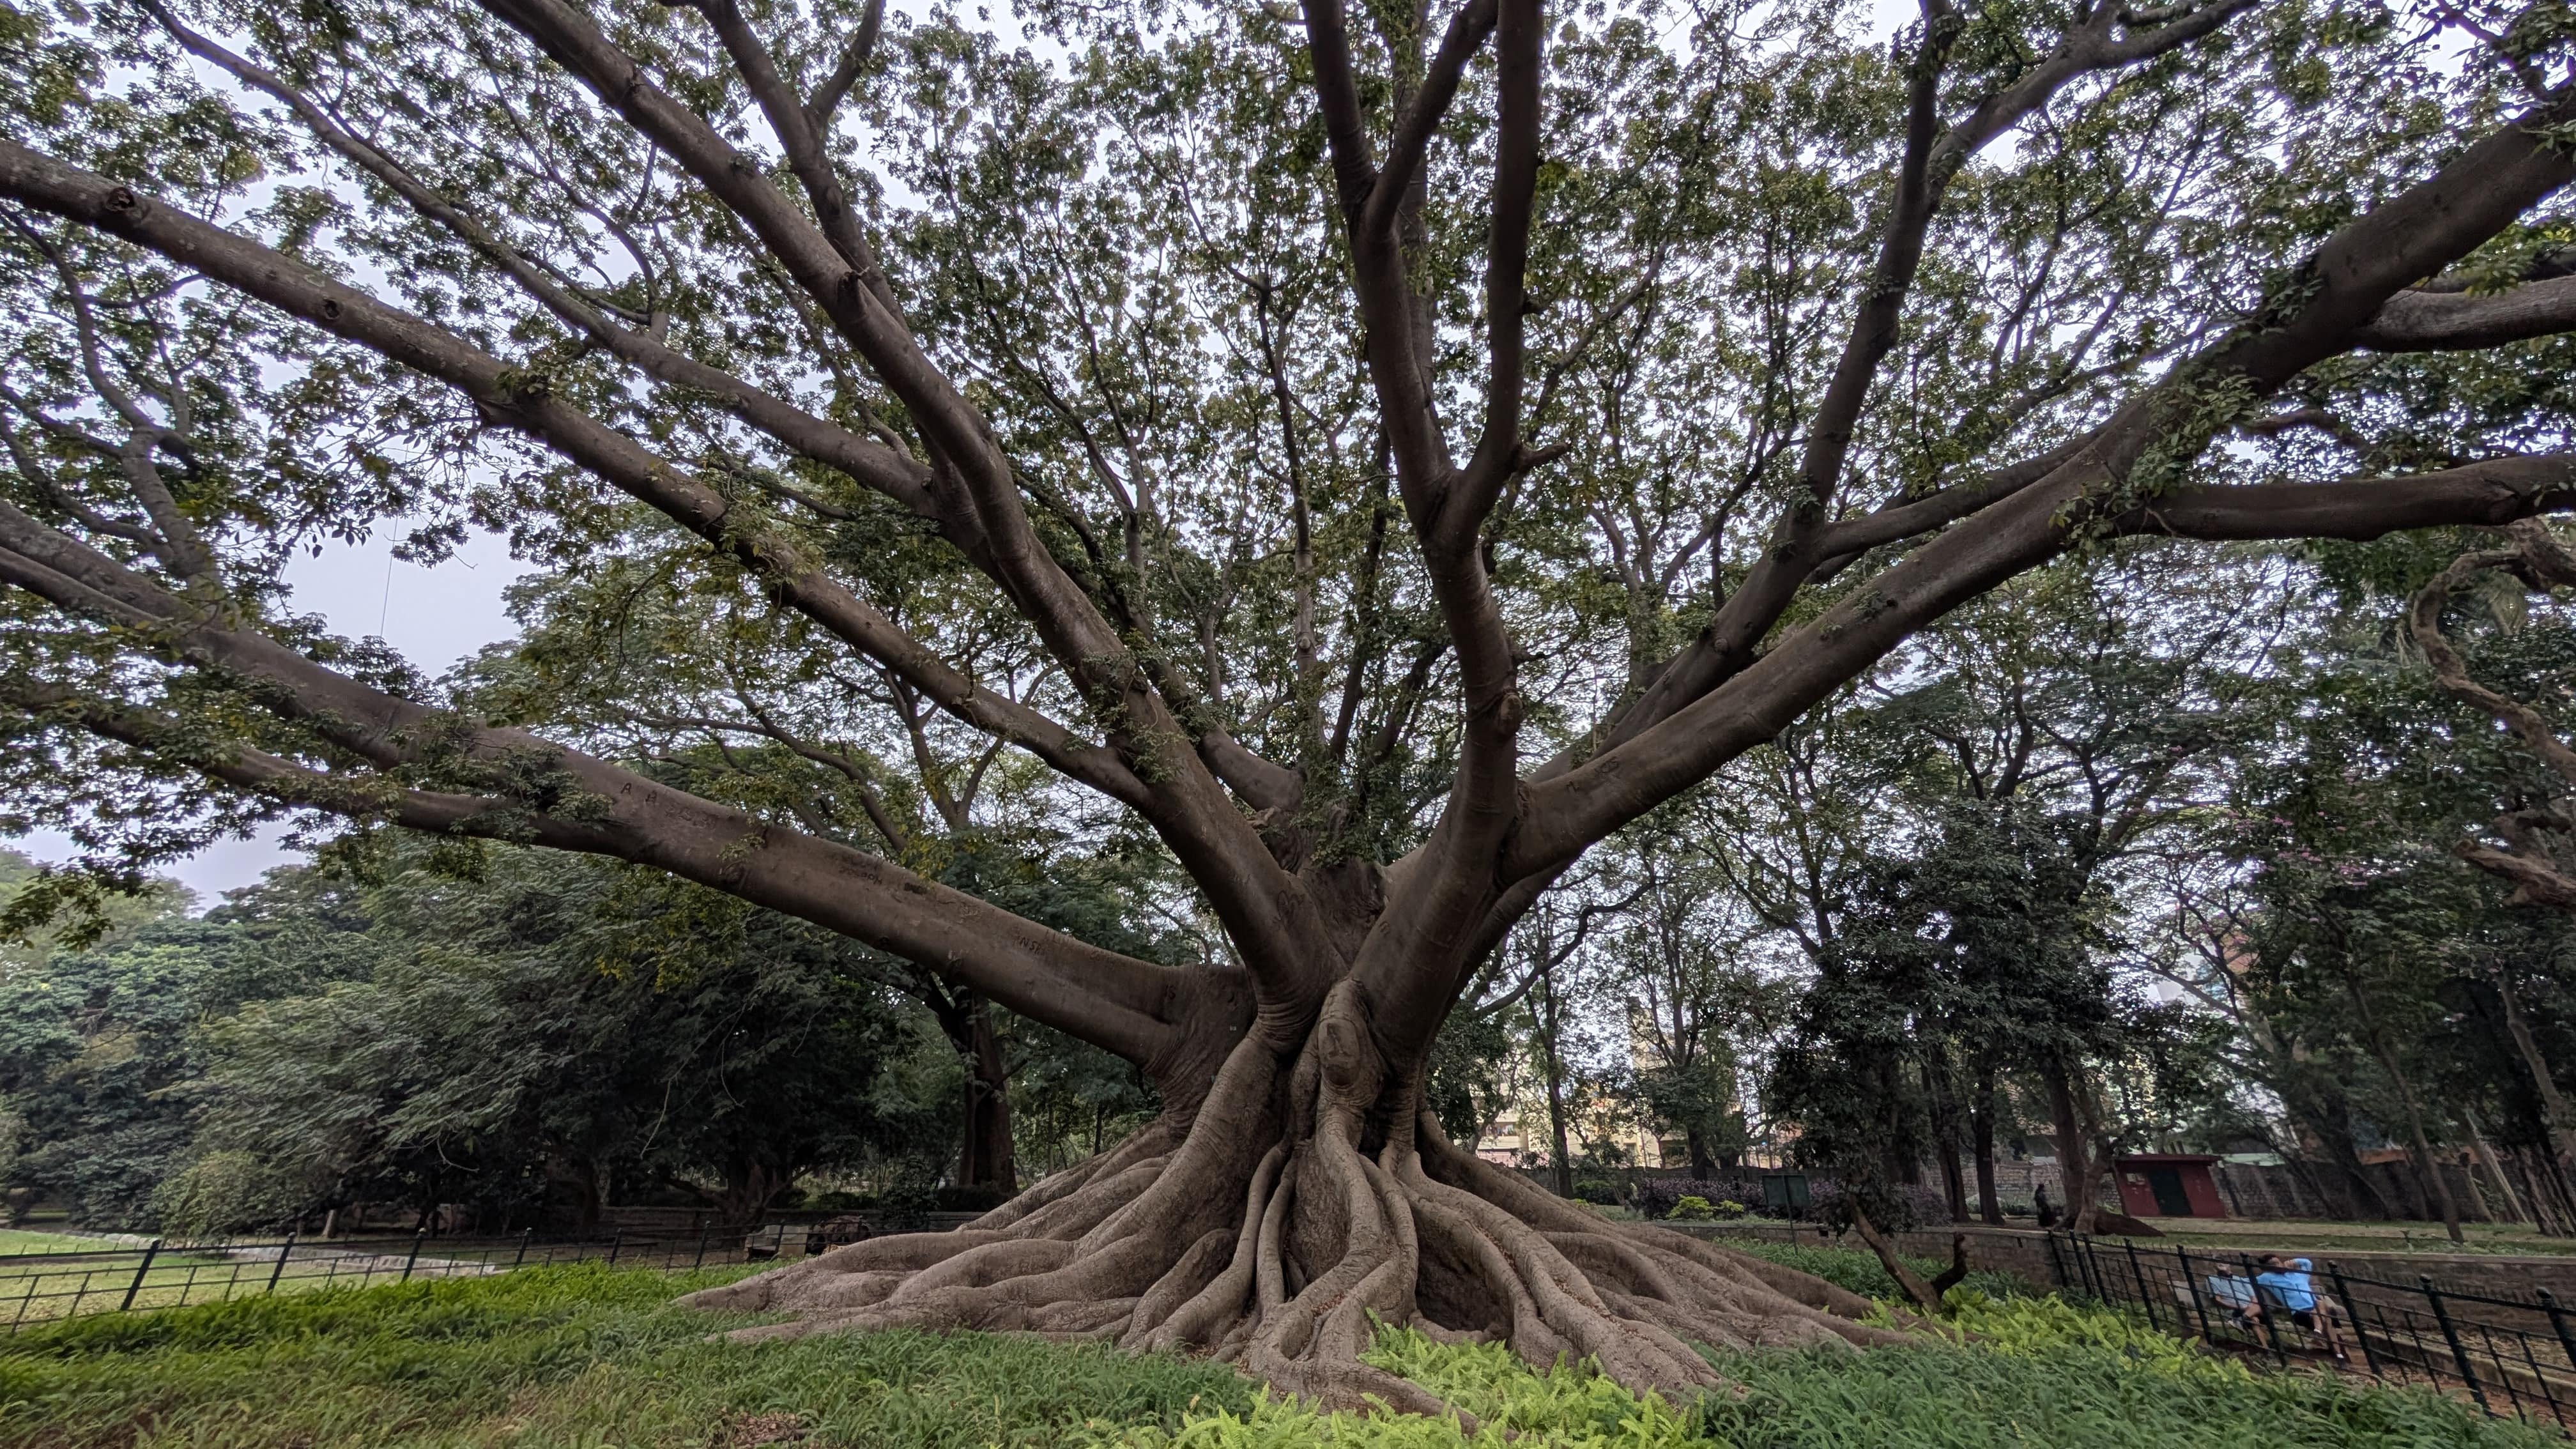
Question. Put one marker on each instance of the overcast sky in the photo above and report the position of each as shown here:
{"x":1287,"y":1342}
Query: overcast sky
{"x":435,"y":616}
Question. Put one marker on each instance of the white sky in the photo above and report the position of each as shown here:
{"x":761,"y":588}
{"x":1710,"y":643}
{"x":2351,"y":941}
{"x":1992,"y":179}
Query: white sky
{"x":434,"y":616}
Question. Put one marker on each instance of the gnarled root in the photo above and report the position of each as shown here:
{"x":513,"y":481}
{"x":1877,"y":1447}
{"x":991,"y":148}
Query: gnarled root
{"x":1280,"y":1229}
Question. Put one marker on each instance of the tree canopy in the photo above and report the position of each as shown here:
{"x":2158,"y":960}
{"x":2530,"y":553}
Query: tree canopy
{"x":1359,"y":460}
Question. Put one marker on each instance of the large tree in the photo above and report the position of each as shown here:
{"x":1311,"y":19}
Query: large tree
{"x":1404,"y":448}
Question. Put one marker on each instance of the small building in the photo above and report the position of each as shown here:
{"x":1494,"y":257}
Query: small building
{"x":2168,"y":1185}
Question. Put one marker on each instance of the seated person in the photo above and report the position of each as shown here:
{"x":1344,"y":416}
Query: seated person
{"x":2286,"y":1282}
{"x":2236,"y":1295}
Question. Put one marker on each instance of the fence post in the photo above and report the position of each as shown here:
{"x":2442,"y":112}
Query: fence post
{"x":151,"y":1251}
{"x":614,"y":1244}
{"x":2140,"y":1274}
{"x":2558,"y":1321}
{"x":2271,"y":1329}
{"x":417,"y":1235}
{"x":2191,"y":1281}
{"x":282,"y":1253}
{"x":524,"y":1235}
{"x":2352,"y":1316}
{"x":2451,"y":1336}
{"x":2056,"y":1265}
{"x":702,"y":1250}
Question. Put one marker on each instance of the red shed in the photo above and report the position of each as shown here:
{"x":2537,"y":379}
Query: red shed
{"x":2168,"y":1185}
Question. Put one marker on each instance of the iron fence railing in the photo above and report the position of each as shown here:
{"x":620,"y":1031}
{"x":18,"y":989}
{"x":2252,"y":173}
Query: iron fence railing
{"x":2513,"y":1357}
{"x":40,"y":1285}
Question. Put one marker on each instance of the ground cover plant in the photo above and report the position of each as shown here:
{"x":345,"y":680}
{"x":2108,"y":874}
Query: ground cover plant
{"x":569,"y":1355}
{"x":584,"y":1355}
{"x":1355,"y":460}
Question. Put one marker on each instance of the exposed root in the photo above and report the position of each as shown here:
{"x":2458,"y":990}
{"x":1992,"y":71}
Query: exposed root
{"x":1264,"y":1235}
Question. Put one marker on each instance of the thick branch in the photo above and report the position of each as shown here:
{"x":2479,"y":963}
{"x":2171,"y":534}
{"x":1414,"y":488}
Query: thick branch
{"x":854,"y":59}
{"x":1412,"y":139}
{"x":2535,"y":881}
{"x":1468,"y":498}
{"x":1114,"y":1001}
{"x":1386,"y":301}
{"x":1264,"y":906}
{"x":2425,"y":321}
{"x":2542,"y":563}
{"x":1931,"y":158}
{"x":2492,"y":493}
{"x":1904,"y":520}
{"x":1900,"y":252}
{"x":867,"y":461}
{"x":2351,"y":276}
{"x":855,"y":297}
{"x":526,"y":402}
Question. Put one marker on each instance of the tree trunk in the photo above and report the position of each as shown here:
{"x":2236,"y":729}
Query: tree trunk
{"x":1309,"y":1198}
{"x":987,"y":1161}
{"x":580,"y":1176}
{"x":2542,"y":1187}
{"x":1981,"y":1129}
{"x":1560,"y":1159}
{"x":2074,"y":1163}
{"x":1945,"y":1136}
{"x":2495,"y":1169}
{"x":2323,"y":1109}
{"x":984,"y":1156}
{"x":750,"y":1186}
{"x":2553,"y":1103}
{"x":2426,"y":1166}
{"x":1702,"y":1166}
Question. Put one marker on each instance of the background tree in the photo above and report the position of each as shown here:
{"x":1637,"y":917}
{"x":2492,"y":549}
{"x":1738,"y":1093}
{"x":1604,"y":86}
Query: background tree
{"x":89,"y":1039}
{"x":1697,"y":1000}
{"x":520,"y":1032}
{"x":1291,"y":386}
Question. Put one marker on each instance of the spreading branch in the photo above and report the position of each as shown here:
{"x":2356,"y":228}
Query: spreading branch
{"x":2533,"y":854}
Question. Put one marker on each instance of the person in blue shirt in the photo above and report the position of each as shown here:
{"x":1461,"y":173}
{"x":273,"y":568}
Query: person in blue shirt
{"x":2286,"y":1285}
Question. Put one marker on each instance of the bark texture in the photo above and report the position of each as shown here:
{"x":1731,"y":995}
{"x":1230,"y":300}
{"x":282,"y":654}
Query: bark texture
{"x":1298,"y":1192}
{"x":1310,"y":1199}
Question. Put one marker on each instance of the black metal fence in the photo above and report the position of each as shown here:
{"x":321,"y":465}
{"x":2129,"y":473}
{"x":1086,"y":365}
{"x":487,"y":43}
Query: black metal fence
{"x":2513,"y":1357}
{"x":38,"y":1286}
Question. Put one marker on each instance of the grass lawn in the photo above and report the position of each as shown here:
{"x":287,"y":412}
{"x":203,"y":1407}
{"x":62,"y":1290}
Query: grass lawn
{"x":34,"y":1292}
{"x":19,"y":1240}
{"x":587,"y":1356}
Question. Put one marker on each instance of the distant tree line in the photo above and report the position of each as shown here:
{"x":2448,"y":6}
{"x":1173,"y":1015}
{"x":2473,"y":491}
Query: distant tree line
{"x":524,"y":1037}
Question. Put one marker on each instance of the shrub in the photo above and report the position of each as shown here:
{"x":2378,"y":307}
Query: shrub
{"x":1692,"y":1209}
{"x":1655,"y":1197}
{"x":1730,"y":1210}
{"x":1597,"y":1190}
{"x":228,"y":1192}
{"x":1860,"y":1271}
